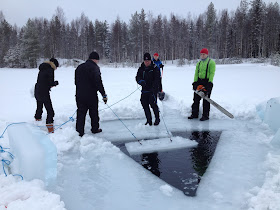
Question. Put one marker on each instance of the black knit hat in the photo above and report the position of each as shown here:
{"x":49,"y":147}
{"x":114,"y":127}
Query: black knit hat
{"x":55,"y":62}
{"x":94,"y":55}
{"x":147,"y":56}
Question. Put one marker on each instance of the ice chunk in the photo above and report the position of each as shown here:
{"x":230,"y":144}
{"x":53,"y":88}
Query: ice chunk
{"x":272,"y":114}
{"x":35,"y":154}
{"x":276,"y":139}
{"x":163,"y":144}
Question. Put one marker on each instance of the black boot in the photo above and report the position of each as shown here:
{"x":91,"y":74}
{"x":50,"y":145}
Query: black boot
{"x":148,"y":122}
{"x":192,"y":117}
{"x":204,"y":118}
{"x":96,"y":131}
{"x":157,"y":121}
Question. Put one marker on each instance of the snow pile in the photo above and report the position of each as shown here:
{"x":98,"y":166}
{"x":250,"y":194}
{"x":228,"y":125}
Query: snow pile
{"x":268,"y":195}
{"x":21,"y":195}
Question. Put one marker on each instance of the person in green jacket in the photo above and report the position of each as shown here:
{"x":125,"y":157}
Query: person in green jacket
{"x":203,"y":80}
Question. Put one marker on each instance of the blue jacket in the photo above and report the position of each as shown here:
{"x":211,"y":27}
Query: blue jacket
{"x":158,"y":63}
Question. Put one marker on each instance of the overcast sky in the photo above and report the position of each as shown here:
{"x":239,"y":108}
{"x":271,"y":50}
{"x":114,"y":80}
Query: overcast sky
{"x":18,"y":11}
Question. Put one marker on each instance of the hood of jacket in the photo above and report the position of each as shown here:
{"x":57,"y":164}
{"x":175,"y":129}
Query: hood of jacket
{"x":46,"y":65}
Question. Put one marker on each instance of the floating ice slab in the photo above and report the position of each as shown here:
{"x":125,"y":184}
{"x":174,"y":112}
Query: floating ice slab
{"x":272,"y":114}
{"x":156,"y":145}
{"x":35,"y":154}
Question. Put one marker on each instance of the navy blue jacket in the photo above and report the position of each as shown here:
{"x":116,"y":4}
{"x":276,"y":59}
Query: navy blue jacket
{"x":88,"y":81}
{"x":151,"y":76}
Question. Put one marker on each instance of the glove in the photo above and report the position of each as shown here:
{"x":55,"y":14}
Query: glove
{"x":56,"y":83}
{"x":142,"y":83}
{"x":209,"y":85}
{"x":194,"y":84}
{"x":208,"y":88}
{"x":161,"y":66}
{"x":105,"y":98}
{"x":161,"y":95}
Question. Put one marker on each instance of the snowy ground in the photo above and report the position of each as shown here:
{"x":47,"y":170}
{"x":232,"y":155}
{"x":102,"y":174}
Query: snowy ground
{"x":94,"y":174}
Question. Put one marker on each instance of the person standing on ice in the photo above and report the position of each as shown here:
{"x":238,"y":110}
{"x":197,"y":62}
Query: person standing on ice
{"x":148,"y":76}
{"x":45,"y":82}
{"x":88,"y":81}
{"x":159,"y":64}
{"x":203,"y":80}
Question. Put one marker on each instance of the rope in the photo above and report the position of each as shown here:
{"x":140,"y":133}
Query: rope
{"x":123,"y":124}
{"x":168,"y":133}
{"x":165,"y":125}
{"x":121,"y":99}
{"x":10,"y":125}
{"x":7,"y":162}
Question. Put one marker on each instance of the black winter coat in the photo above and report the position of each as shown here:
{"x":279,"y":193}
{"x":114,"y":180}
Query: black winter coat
{"x":151,"y":76}
{"x":45,"y":80}
{"x":88,"y":81}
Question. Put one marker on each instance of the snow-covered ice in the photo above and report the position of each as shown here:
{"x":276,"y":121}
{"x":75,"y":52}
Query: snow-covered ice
{"x":94,"y":174}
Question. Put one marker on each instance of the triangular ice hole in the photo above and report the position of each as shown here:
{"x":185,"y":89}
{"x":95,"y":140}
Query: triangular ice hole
{"x":181,"y":168}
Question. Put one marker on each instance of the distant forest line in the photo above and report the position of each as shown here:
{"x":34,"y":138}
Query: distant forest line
{"x":251,"y":31}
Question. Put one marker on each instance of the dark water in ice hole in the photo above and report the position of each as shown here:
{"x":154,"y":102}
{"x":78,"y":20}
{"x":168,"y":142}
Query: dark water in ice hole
{"x":181,"y":168}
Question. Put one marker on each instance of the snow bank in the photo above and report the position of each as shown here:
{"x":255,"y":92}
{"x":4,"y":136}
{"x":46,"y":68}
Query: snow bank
{"x":21,"y":195}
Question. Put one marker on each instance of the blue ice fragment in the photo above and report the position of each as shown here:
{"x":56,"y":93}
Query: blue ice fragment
{"x":272,"y":114}
{"x":35,"y":154}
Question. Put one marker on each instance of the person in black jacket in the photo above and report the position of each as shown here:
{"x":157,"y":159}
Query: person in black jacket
{"x":88,"y":81}
{"x":148,"y":76}
{"x":45,"y":82}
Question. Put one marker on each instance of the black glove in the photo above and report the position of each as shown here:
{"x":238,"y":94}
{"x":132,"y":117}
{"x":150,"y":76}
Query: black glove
{"x":161,"y":66}
{"x":208,"y":88}
{"x":142,"y":82}
{"x":56,"y":83}
{"x":194,"y":84}
{"x":209,"y":85}
{"x":161,"y":95}
{"x":105,"y":98}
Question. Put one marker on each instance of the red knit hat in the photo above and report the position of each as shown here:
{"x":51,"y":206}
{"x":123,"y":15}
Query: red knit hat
{"x":204,"y":50}
{"x":156,"y":54}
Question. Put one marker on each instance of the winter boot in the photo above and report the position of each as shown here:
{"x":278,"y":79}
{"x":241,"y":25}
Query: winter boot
{"x":204,"y":118}
{"x":50,"y":128}
{"x":99,"y":130}
{"x":157,"y":121}
{"x":38,"y":119}
{"x":192,"y":117}
{"x":149,"y":122}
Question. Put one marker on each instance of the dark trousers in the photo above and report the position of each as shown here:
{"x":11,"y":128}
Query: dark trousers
{"x":195,"y":105}
{"x":147,"y":100}
{"x":83,"y":106}
{"x":44,"y":101}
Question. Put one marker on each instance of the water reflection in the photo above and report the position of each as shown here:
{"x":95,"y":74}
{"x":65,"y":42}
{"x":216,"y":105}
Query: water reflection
{"x":151,"y":162}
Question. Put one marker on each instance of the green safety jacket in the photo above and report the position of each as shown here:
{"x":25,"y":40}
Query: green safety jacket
{"x":200,"y":71}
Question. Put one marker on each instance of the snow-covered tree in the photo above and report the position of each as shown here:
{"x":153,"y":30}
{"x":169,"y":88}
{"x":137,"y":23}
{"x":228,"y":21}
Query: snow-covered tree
{"x":30,"y":44}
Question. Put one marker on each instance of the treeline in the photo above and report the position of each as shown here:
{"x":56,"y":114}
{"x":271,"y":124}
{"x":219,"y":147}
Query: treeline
{"x":252,"y":30}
